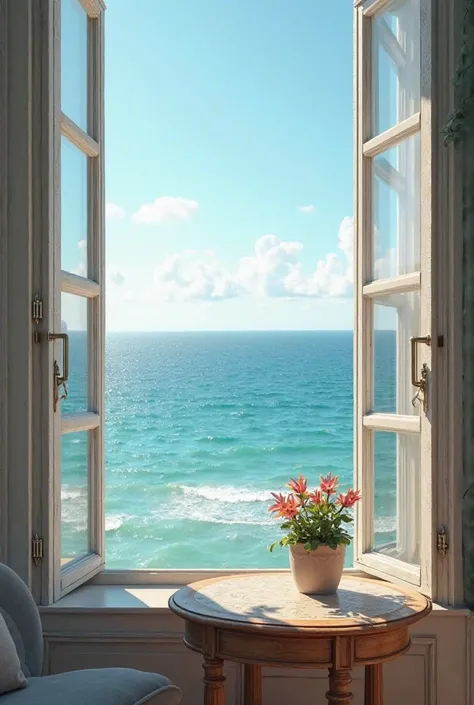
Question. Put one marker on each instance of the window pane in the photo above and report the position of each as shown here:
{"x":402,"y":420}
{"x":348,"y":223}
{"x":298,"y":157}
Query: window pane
{"x":74,"y":62}
{"x":74,"y":496}
{"x":396,"y":320}
{"x":73,"y":209}
{"x":397,"y":495}
{"x":396,"y":57}
{"x":74,"y":323}
{"x":396,"y":210}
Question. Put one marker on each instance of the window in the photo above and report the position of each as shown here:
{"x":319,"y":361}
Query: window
{"x":393,"y":295}
{"x":399,"y":432}
{"x":75,"y":359}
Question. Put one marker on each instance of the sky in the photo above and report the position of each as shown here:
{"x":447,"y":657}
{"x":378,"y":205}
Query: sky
{"x":229,"y":165}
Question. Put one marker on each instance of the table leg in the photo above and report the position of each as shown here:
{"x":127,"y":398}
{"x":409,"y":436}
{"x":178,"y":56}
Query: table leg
{"x":339,"y":683}
{"x":214,"y":691}
{"x":374,"y":685}
{"x":252,"y":684}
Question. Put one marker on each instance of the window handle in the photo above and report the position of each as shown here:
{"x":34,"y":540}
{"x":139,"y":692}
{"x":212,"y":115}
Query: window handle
{"x":420,"y":383}
{"x":58,"y":379}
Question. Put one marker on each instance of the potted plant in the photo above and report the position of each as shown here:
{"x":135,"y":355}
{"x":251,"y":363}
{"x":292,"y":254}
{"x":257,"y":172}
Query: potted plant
{"x":316,"y":524}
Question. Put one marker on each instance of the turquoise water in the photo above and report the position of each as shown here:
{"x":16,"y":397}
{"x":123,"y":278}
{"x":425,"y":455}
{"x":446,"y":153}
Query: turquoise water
{"x":201,"y":427}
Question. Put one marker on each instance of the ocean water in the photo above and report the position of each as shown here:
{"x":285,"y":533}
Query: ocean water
{"x":201,"y":427}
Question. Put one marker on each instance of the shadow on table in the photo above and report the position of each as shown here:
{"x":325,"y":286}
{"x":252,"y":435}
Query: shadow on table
{"x":361,"y":607}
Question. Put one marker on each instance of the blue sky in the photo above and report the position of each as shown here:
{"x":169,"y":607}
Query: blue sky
{"x":229,"y":164}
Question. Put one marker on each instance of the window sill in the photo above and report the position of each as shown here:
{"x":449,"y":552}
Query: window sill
{"x":114,"y":599}
{"x":133,"y":599}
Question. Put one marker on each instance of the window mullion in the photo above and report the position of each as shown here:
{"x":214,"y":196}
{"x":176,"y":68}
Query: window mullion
{"x":363,"y":446}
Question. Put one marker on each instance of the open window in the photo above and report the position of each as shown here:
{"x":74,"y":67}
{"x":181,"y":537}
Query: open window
{"x":73,"y":359}
{"x":393,"y":291}
{"x":396,"y":366}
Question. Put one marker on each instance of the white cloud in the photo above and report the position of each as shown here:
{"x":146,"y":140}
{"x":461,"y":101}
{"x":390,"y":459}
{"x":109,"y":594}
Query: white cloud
{"x":266,"y":271}
{"x":193,"y":276}
{"x":307,"y":209}
{"x":113,"y":212}
{"x":82,"y":244}
{"x":80,"y":270}
{"x":274,"y":270}
{"x":114,"y":276}
{"x":166,"y":209}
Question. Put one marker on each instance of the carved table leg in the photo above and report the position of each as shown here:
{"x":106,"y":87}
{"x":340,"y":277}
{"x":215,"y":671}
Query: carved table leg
{"x":252,"y":684}
{"x":374,"y":685}
{"x":339,"y":683}
{"x":214,"y":692}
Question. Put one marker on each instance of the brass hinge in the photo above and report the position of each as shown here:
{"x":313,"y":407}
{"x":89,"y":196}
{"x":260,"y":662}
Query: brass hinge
{"x":37,"y":549}
{"x":442,"y":542}
{"x":36,"y":315}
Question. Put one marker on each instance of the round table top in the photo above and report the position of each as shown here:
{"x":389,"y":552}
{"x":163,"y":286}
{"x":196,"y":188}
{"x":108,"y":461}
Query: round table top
{"x":271,"y":601}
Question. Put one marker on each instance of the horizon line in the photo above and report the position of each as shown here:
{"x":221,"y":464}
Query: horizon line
{"x":241,"y":330}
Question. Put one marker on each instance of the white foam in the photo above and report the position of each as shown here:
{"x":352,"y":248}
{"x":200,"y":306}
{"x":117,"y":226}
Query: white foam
{"x":113,"y":522}
{"x":69,"y":494}
{"x":232,"y":495}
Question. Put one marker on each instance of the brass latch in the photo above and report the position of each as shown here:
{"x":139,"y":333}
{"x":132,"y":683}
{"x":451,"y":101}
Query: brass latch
{"x":442,"y":542}
{"x":36,"y":315}
{"x":421,"y":383}
{"x":59,"y":380}
{"x":37,"y":549}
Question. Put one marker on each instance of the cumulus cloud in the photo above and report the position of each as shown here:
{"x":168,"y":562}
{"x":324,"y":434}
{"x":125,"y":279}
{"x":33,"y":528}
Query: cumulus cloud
{"x":193,"y":276}
{"x":114,"y":212}
{"x":307,"y":209}
{"x":273,"y":270}
{"x":166,"y":209}
{"x":82,"y":244}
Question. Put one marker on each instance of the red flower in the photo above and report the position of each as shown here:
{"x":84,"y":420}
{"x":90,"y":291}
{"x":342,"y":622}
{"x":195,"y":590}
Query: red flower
{"x":280,"y":501}
{"x":286,"y":507}
{"x":329,"y":484}
{"x":298,"y":486}
{"x":291,"y":508}
{"x":349,"y":499}
{"x":316,"y":497}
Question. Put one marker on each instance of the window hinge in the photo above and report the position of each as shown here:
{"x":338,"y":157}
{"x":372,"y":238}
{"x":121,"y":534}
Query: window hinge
{"x":37,"y":549}
{"x":36,"y":315}
{"x":442,"y":542}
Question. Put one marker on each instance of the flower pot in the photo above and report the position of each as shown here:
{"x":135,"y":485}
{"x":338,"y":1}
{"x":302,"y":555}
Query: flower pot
{"x":317,"y":572}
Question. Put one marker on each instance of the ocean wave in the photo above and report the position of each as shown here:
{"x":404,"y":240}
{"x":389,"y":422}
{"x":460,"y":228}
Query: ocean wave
{"x":231,"y":495}
{"x":113,"y":522}
{"x":70,"y":494}
{"x":385,"y":525}
{"x":217,"y":439}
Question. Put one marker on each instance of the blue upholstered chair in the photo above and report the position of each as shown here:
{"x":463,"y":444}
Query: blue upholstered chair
{"x":105,"y":686}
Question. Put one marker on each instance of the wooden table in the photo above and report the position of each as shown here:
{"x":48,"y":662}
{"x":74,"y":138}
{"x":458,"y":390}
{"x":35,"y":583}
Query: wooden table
{"x":261,"y":620}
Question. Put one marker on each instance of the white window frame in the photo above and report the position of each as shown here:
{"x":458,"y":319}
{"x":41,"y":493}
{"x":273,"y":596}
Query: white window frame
{"x":440,"y":301}
{"x":58,"y":580}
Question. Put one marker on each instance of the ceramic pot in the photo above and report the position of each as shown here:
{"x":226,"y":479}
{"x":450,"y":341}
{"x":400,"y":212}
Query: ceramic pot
{"x":317,"y":572}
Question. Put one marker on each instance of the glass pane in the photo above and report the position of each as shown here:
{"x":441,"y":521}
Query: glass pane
{"x":74,"y":496}
{"x":396,"y":210}
{"x":74,"y":323}
{"x":396,"y":320}
{"x":396,"y":61}
{"x":74,"y":62}
{"x":73,"y":209}
{"x":397,"y":495}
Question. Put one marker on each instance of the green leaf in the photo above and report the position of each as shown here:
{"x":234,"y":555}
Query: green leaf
{"x":346,"y":518}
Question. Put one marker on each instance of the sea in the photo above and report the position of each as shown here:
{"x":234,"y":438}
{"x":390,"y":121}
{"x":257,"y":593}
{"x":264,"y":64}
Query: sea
{"x":201,"y":427}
